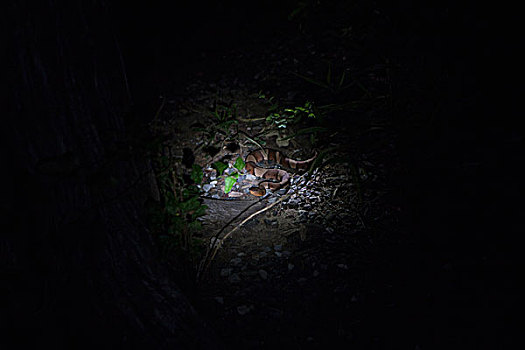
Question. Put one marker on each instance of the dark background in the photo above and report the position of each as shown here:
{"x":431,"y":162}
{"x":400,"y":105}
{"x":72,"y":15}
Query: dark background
{"x":460,"y":188}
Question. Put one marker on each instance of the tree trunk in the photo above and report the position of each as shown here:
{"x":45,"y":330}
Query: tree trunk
{"x":79,"y":263}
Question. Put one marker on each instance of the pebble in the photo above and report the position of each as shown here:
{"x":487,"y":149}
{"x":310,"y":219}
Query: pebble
{"x":250,"y":177}
{"x":278,"y":247}
{"x":315,"y":273}
{"x":240,"y":254}
{"x":236,"y":261}
{"x":220,"y":300}
{"x":290,"y":267}
{"x":263,"y":274}
{"x":235,"y":278}
{"x":293,"y":202}
{"x":272,"y":200}
{"x":271,"y":222}
{"x":279,"y":254}
{"x":226,"y":272}
{"x":243,"y":309}
{"x":207,"y":187}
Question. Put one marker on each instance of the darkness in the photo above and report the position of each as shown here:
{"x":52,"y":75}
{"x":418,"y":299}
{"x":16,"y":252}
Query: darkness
{"x":80,"y":268}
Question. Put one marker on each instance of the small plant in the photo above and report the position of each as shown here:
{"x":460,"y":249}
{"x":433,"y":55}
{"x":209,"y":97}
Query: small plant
{"x":230,"y":179}
{"x":174,"y":218}
{"x":289,"y":116}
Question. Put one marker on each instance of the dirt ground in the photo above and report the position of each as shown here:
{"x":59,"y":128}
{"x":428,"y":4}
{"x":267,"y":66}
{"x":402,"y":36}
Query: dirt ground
{"x":304,"y":272}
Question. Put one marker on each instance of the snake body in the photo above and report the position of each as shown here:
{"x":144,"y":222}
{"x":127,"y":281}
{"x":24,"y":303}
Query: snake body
{"x":273,"y":179}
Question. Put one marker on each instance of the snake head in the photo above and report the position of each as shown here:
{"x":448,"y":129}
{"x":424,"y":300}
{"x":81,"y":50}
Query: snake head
{"x":258,"y":191}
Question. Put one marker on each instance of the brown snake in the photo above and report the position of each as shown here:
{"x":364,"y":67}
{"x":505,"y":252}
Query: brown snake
{"x":274,"y":179}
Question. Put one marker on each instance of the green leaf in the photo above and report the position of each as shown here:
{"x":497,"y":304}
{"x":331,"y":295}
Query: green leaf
{"x":239,"y":164}
{"x":228,"y":183}
{"x":220,"y":167}
{"x":200,"y":211}
{"x":196,"y":174}
{"x":189,"y":205}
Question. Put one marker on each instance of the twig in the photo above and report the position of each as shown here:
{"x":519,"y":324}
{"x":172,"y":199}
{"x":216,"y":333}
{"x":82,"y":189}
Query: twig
{"x":216,"y":247}
{"x":216,"y":237}
{"x":218,"y":242}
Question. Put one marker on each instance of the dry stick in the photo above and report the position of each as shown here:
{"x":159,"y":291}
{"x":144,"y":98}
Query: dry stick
{"x":216,"y":237}
{"x":215,"y":247}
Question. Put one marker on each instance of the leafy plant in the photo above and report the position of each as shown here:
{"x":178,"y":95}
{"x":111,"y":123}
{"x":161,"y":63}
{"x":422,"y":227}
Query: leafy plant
{"x":289,"y":116}
{"x":174,"y":218}
{"x":231,"y":179}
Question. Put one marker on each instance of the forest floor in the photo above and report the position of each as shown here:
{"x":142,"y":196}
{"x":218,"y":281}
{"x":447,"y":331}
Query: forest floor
{"x":316,"y":268}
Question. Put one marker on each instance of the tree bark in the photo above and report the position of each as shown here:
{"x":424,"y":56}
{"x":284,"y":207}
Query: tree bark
{"x":80,"y":266}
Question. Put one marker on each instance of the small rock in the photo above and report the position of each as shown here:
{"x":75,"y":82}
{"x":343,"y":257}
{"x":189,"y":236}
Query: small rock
{"x":263,"y":274}
{"x":213,"y":183}
{"x":235,"y":194}
{"x":234,"y":278}
{"x":207,"y":187}
{"x":250,"y":177}
{"x":240,"y":254}
{"x":316,"y":273}
{"x":342,"y":266}
{"x":286,"y":253}
{"x":226,"y":272}
{"x":272,"y":200}
{"x":243,"y":309}
{"x":220,"y":300}
{"x":279,"y":254}
{"x":271,"y":222}
{"x":267,"y":249}
{"x":278,"y":247}
{"x":235,"y":261}
{"x":281,"y":191}
{"x":290,"y":267}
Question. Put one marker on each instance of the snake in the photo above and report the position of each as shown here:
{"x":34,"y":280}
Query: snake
{"x":273,"y":179}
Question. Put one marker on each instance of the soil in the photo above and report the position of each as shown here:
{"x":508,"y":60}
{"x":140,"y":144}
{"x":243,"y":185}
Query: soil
{"x":307,"y":271}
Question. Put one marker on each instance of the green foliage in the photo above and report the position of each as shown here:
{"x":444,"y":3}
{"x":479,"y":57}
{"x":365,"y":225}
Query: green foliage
{"x":229,"y":181}
{"x":174,"y":219}
{"x":288,"y":116}
{"x":220,"y":167}
{"x":196,"y":174}
{"x":239,"y":164}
